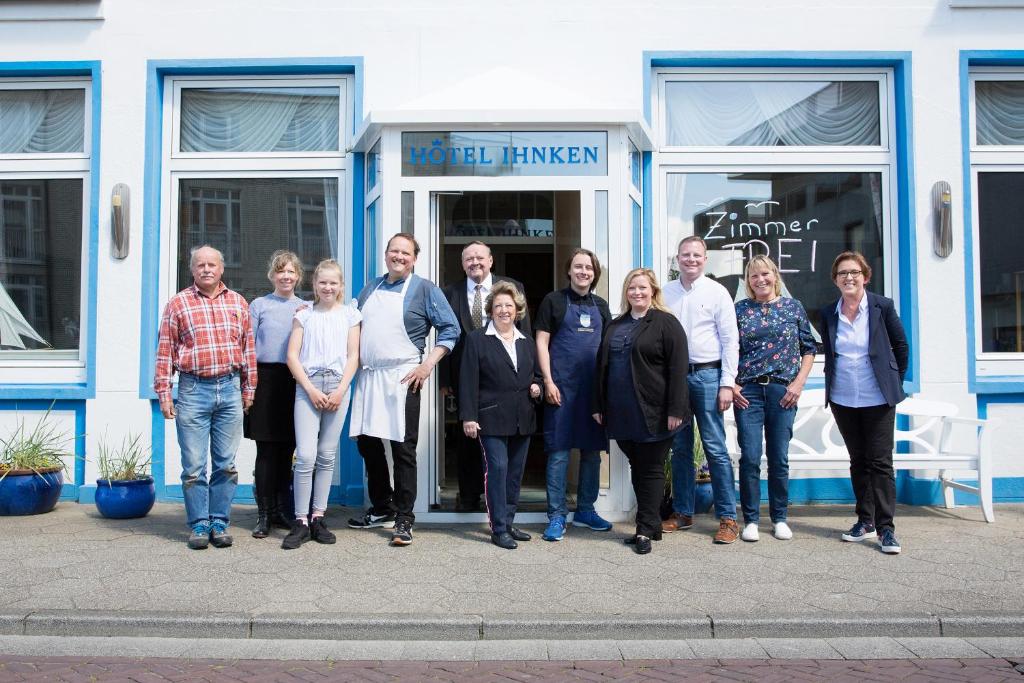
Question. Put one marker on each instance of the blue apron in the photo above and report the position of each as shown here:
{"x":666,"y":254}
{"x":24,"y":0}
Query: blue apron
{"x":573,"y":351}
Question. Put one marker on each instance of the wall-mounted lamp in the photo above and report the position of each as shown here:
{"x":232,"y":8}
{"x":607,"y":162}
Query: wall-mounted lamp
{"x":120,"y":228}
{"x":942,"y":214}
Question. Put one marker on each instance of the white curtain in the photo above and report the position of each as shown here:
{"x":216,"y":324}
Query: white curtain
{"x":42,"y":121}
{"x":1000,"y":112}
{"x":768,"y":114}
{"x":259,"y":120}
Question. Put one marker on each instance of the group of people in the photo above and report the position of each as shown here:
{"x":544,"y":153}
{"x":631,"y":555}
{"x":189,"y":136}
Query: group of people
{"x":670,"y":360}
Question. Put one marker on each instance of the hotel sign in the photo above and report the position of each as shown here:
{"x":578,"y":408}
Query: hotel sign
{"x":571,"y":153}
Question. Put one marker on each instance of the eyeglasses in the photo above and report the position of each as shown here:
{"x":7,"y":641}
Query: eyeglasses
{"x":849,"y":273}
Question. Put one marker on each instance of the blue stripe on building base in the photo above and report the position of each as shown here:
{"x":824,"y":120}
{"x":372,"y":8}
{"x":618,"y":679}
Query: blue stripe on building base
{"x":910,"y":490}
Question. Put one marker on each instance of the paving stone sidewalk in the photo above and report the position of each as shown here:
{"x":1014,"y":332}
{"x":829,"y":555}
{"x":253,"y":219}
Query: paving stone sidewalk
{"x":953,"y":563}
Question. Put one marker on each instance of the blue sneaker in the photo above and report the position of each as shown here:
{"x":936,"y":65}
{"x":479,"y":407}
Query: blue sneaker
{"x":199,"y":539}
{"x":591,"y":520}
{"x":859,"y":531}
{"x":555,"y":530}
{"x":888,"y":542}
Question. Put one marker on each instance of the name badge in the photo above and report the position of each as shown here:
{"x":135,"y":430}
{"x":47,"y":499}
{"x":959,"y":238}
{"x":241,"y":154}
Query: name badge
{"x":585,"y":319}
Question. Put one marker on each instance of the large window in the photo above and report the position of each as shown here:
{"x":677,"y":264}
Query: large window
{"x":255,"y":165}
{"x":795,"y":165}
{"x":997,"y":169}
{"x":44,"y":174}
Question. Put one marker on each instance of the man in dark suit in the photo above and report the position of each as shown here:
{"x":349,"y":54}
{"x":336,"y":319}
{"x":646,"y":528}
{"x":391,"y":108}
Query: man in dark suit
{"x":467,"y":298}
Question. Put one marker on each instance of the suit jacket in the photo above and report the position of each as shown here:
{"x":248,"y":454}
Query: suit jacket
{"x":448,"y":368}
{"x":887,"y":346}
{"x":492,"y":391}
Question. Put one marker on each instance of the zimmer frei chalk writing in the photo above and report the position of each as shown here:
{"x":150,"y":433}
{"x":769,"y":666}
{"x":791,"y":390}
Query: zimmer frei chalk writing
{"x":791,"y":243}
{"x":438,"y":154}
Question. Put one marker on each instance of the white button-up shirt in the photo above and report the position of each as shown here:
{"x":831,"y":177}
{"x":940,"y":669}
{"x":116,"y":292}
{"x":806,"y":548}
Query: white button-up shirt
{"x":510,"y":346}
{"x":708,"y":317}
{"x":854,"y":384}
{"x":485,"y":289}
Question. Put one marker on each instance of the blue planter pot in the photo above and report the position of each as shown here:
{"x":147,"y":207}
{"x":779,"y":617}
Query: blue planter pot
{"x":24,"y":492}
{"x":703,"y":498}
{"x":125,"y":499}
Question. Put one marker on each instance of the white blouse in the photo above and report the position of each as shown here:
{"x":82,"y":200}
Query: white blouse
{"x":509,"y":344}
{"x":325,"y":337}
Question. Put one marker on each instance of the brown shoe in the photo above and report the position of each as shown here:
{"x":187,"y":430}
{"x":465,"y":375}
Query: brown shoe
{"x":676,"y":522}
{"x":728,"y":531}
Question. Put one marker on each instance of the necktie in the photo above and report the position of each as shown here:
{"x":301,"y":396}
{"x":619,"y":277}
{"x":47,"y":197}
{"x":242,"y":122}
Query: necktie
{"x":477,"y":312}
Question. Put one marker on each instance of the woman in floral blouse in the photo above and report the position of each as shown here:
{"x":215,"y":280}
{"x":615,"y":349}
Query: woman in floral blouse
{"x":776,"y":354}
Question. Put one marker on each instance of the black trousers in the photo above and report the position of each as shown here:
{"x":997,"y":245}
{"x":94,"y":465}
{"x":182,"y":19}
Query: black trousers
{"x":647,"y":472}
{"x":273,"y":475}
{"x":469,"y":461}
{"x":383,"y":499}
{"x":868,"y":433}
{"x":505,"y":461}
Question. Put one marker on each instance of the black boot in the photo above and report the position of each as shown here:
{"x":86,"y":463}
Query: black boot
{"x":262,"y":528}
{"x":275,"y":517}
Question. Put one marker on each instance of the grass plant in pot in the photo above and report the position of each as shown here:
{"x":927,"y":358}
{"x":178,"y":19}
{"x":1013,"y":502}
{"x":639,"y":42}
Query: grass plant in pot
{"x":125,"y":488}
{"x":32,"y":467}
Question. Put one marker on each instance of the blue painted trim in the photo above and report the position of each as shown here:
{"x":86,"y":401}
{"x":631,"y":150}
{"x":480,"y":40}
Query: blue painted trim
{"x":93,"y":70}
{"x":1009,"y":384}
{"x":646,"y":162}
{"x":901,"y":64}
{"x":360,"y":267}
{"x":156,"y":72}
{"x":77,"y":473}
{"x":158,"y":461}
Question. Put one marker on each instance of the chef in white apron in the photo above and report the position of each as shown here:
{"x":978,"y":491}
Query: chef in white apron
{"x":398,"y":311}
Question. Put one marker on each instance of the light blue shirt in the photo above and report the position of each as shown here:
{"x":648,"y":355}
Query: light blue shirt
{"x":272,"y":326}
{"x":854,"y":384}
{"x":424,"y":306}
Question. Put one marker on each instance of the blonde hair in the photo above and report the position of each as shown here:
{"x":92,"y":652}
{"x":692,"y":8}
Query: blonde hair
{"x":326,"y":264}
{"x":767,"y":262}
{"x":656,"y":298}
{"x":511,"y":290}
{"x":281,"y":258}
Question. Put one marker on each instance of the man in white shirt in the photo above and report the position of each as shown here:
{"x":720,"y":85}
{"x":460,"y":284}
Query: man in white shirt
{"x":708,"y":316}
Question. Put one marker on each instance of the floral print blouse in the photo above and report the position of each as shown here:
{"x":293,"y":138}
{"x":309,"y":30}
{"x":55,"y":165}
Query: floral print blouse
{"x":773,"y":338}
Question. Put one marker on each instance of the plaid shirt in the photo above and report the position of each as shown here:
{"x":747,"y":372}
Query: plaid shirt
{"x":205,"y":336}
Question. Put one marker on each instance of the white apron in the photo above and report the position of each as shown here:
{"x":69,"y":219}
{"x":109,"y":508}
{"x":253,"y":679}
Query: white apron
{"x":386,"y":356}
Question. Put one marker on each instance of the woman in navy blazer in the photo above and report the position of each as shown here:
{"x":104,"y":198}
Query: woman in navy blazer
{"x":498,"y":382}
{"x":866,"y":356}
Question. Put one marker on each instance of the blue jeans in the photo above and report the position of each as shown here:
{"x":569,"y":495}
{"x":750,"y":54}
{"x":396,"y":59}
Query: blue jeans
{"x":764,"y":417}
{"x":504,"y":462}
{"x":587,"y":485}
{"x":703,"y":386}
{"x":209,"y":423}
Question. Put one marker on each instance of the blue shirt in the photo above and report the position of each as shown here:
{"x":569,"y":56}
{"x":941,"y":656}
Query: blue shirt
{"x":854,"y":384}
{"x":773,"y":338}
{"x":424,"y":306}
{"x":272,"y":326}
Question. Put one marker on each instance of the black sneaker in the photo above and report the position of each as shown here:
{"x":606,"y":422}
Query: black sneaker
{"x":319,"y":531}
{"x":372,"y":521}
{"x":219,"y":536}
{"x":199,"y":539}
{"x":297,"y":536}
{"x":888,"y":542}
{"x":859,"y":532}
{"x":402,"y":534}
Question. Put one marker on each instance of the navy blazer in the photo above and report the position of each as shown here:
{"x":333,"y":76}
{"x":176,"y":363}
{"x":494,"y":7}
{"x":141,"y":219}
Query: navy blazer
{"x":887,"y":346}
{"x":492,"y":391}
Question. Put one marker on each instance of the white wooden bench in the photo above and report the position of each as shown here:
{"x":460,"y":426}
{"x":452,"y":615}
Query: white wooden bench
{"x":929,"y":439}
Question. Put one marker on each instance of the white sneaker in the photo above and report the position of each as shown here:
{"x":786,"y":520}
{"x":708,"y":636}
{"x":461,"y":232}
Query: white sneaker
{"x":782,"y":531}
{"x":750,"y":533}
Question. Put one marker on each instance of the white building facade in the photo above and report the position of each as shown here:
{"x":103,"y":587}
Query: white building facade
{"x":791,"y":129}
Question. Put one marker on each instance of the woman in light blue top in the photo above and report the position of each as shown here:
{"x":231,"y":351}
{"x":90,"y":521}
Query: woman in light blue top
{"x":323,"y":354}
{"x":271,"y":317}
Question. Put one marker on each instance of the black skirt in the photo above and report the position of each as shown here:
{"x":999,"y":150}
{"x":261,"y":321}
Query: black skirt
{"x":272,"y":415}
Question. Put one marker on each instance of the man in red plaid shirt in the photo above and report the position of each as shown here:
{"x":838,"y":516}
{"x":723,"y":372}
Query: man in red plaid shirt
{"x":206,"y":336}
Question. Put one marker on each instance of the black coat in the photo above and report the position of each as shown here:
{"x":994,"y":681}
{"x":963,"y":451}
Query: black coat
{"x":887,"y":346}
{"x":455,"y":293}
{"x":660,"y":363}
{"x":494,"y":393}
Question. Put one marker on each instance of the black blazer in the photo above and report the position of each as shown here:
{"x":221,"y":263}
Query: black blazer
{"x":492,"y":391}
{"x":887,"y":346}
{"x":660,"y":363}
{"x":455,"y":293}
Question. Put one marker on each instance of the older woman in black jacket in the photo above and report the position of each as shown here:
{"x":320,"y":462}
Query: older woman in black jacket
{"x":640,"y":393}
{"x":497,"y":382}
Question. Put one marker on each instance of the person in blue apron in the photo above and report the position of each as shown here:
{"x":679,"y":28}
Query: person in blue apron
{"x":398,"y":311}
{"x":569,"y":326}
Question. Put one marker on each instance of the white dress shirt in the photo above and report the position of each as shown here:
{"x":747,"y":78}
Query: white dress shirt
{"x":510,"y":346}
{"x":485,"y":289}
{"x":708,"y":317}
{"x":854,"y":384}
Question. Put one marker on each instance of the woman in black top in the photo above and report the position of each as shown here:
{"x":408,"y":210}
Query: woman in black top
{"x":497,"y":381}
{"x":640,"y":393}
